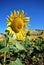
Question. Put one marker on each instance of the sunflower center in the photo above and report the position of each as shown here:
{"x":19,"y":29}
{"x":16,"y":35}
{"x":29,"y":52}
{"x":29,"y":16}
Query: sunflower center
{"x":17,"y":24}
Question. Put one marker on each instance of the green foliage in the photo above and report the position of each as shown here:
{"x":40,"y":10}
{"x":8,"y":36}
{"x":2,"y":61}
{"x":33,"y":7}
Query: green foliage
{"x":23,"y":51}
{"x":6,"y":49}
{"x":17,"y":62}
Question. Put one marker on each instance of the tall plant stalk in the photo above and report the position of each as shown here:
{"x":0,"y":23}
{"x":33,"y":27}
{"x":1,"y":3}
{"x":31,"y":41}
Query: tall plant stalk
{"x":5,"y":58}
{"x":5,"y":54}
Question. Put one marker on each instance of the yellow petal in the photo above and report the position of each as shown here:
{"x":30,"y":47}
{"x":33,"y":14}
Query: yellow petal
{"x":20,"y":35}
{"x":15,"y":14}
{"x":11,"y":15}
{"x":9,"y":23}
{"x":18,"y":12}
{"x":7,"y":19}
{"x":23,"y":11}
{"x":21,"y":15}
{"x":26,"y":19}
{"x":10,"y":30}
{"x":11,"y":19}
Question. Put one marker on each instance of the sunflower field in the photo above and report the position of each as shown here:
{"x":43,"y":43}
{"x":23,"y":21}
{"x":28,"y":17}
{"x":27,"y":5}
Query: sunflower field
{"x":18,"y":45}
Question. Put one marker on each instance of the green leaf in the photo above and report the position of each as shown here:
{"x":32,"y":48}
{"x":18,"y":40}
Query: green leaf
{"x":17,"y":62}
{"x":37,"y":47}
{"x":23,"y":56}
{"x":31,"y":50}
{"x":20,"y":47}
{"x":6,"y":49}
{"x":13,"y":48}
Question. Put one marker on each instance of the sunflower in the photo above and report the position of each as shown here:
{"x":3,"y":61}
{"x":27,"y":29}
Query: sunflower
{"x":17,"y":22}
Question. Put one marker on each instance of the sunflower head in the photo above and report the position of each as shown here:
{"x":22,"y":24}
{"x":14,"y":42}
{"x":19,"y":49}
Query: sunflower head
{"x":17,"y":20}
{"x":18,"y":25}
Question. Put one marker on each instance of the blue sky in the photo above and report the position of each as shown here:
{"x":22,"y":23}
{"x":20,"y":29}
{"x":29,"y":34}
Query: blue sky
{"x":32,"y":8}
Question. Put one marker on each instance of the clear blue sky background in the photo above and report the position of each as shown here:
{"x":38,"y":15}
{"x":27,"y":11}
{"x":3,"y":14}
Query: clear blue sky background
{"x":32,"y":8}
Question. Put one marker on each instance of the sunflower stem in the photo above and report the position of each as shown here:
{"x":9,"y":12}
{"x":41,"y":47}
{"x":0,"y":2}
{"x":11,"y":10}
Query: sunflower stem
{"x":5,"y":54}
{"x":5,"y":58}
